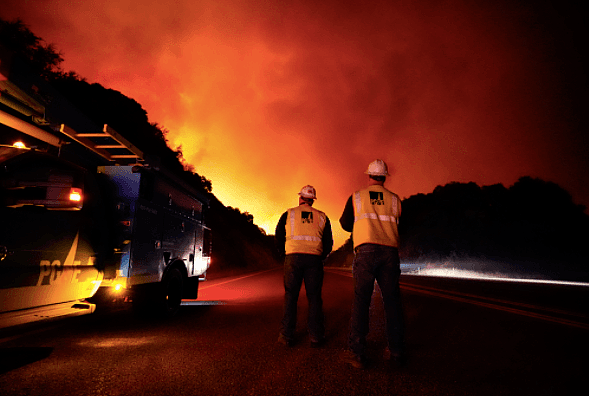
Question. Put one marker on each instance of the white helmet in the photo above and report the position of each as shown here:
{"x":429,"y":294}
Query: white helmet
{"x":377,"y":168}
{"x":308,"y":192}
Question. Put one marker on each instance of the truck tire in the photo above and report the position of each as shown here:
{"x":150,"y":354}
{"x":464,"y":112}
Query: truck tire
{"x":172,"y":289}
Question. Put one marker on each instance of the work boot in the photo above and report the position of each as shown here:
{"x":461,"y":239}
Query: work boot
{"x":318,"y":343}
{"x":289,"y":342}
{"x":395,"y":359}
{"x":356,"y":361}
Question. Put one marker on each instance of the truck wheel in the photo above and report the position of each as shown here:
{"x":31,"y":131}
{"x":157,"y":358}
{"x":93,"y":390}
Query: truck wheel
{"x":172,"y":292}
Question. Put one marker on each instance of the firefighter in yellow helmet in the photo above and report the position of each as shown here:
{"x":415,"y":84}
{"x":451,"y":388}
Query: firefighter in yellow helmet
{"x":303,"y":235}
{"x":372,"y":215}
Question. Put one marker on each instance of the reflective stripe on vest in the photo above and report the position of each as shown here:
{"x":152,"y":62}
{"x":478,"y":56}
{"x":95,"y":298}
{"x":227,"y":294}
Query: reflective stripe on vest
{"x":304,"y":235}
{"x":376,"y":222}
{"x":374,"y":216}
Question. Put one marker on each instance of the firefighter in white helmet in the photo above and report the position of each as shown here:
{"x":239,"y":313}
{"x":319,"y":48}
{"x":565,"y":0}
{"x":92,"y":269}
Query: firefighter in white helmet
{"x":372,"y":215}
{"x":303,"y":236}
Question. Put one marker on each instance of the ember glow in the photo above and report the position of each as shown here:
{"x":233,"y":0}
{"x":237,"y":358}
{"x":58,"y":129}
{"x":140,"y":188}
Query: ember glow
{"x":267,"y":96}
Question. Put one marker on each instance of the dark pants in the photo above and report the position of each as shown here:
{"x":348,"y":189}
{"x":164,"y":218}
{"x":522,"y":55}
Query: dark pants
{"x":381,"y":263}
{"x":299,"y":267}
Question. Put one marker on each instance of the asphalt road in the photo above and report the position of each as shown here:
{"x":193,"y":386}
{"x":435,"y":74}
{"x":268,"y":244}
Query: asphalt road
{"x":463,"y":337}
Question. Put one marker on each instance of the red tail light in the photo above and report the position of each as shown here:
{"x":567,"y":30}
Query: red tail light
{"x":76,"y":194}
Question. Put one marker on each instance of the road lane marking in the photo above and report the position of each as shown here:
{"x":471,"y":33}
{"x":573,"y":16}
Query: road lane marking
{"x":197,"y":302}
{"x":236,"y":279}
{"x":496,"y":300}
{"x":472,"y":299}
{"x":493,"y":303}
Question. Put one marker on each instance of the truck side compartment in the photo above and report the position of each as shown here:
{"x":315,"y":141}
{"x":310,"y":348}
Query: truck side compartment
{"x":48,"y":238}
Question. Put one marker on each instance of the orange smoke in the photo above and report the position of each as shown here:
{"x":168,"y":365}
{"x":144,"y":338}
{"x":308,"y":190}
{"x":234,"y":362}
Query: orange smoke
{"x":266,"y":97}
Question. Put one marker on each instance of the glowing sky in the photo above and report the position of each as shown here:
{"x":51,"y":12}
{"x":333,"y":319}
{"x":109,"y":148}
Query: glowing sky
{"x":268,"y":96}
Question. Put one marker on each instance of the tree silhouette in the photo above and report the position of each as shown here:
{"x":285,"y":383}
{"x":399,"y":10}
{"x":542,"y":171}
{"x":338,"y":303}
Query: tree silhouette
{"x":44,"y":59}
{"x":533,"y":226}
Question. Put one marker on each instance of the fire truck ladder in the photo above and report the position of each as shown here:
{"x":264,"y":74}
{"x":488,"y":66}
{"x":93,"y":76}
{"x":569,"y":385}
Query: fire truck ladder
{"x":109,"y":144}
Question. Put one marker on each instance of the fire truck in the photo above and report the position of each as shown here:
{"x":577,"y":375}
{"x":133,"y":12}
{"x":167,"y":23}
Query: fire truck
{"x":80,"y":231}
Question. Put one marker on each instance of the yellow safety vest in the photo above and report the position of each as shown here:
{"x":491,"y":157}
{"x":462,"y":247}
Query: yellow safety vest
{"x":376,"y":216}
{"x":304,"y":230}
